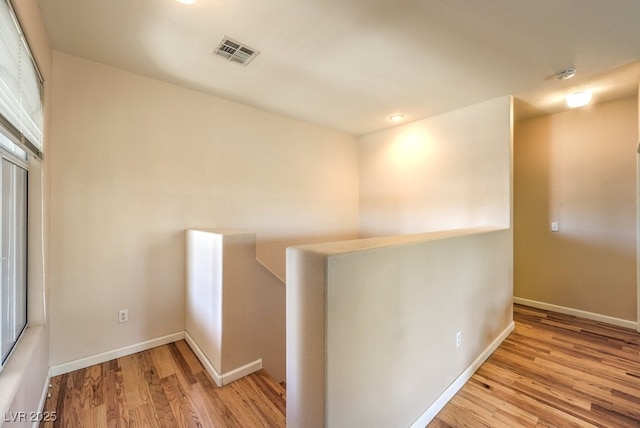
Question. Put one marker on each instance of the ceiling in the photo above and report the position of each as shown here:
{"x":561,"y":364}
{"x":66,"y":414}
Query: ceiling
{"x":349,"y":64}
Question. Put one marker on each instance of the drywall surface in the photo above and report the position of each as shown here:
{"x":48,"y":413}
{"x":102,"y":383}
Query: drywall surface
{"x":578,"y":168}
{"x":445,"y":172}
{"x":372,"y":324}
{"x":135,"y":162}
{"x":235,"y":308}
{"x":204,"y":298}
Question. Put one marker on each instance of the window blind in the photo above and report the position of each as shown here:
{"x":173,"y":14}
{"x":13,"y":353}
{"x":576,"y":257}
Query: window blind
{"x":20,"y":85}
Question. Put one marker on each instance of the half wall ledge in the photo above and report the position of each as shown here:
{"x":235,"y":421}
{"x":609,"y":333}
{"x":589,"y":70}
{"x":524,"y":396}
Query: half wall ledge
{"x":372,"y":324}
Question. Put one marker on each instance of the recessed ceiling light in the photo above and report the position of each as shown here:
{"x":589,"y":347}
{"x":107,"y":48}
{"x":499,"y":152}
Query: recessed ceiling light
{"x":578,"y":99}
{"x":186,"y":1}
{"x":396,"y":117}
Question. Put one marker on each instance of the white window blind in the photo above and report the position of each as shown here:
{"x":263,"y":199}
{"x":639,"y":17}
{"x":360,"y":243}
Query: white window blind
{"x":20,"y":85}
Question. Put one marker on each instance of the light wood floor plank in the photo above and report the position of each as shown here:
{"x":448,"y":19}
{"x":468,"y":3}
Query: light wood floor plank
{"x":554,"y":370}
{"x":116,"y":413}
{"x":164,"y":387}
{"x":163,"y":361}
{"x":136,"y":390}
{"x":189,"y":357}
{"x":563,"y":370}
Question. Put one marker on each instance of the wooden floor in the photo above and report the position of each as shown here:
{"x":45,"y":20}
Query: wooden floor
{"x":553,"y":371}
{"x":162,"y":387}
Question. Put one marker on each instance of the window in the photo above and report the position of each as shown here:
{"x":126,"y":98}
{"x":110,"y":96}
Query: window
{"x":20,"y":137}
{"x":13,"y":252}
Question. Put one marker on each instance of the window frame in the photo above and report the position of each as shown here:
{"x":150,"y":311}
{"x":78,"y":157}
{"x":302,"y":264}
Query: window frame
{"x":21,"y":118}
{"x":6,"y":154}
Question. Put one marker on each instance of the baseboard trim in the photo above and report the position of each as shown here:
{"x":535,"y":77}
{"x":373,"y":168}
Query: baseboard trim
{"x":43,"y":397}
{"x":116,"y":353}
{"x":217,"y":377}
{"x":224,"y":378}
{"x":241,"y":372}
{"x":457,"y":384}
{"x":577,"y":312}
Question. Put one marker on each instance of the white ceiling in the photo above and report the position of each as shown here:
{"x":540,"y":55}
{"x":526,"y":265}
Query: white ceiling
{"x":349,"y":64}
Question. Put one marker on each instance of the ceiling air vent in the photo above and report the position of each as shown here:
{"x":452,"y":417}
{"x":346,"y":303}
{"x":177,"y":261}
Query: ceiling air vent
{"x":236,"y":52}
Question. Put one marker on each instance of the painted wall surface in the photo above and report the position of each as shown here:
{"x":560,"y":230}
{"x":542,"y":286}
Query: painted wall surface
{"x":27,"y":369}
{"x":371,"y":324}
{"x":136,"y":162}
{"x":578,"y":168}
{"x":235,"y":308}
{"x":638,"y":220}
{"x":445,"y":172}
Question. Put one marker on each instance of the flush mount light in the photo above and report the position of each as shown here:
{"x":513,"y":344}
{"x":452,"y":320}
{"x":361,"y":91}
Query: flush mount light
{"x":578,"y":99}
{"x":186,"y":1}
{"x":565,"y":74}
{"x":396,"y":117}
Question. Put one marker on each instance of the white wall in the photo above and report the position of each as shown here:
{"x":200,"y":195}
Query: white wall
{"x":445,"y":172}
{"x":136,"y":161}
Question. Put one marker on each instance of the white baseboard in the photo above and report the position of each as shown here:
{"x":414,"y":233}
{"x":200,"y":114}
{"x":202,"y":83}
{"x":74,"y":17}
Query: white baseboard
{"x":240,"y":372}
{"x":43,"y":397}
{"x":217,"y":377}
{"x":577,"y":312}
{"x":457,"y":384}
{"x":224,"y":378}
{"x":116,"y":353}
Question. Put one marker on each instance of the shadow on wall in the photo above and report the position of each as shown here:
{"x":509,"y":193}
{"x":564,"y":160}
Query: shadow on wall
{"x":165,"y":270}
{"x":577,"y":168}
{"x":531,"y":212}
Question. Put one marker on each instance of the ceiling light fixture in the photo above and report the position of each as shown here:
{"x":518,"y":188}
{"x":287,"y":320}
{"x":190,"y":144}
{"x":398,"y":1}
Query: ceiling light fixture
{"x":578,"y":99}
{"x":186,"y":1}
{"x":396,"y":117}
{"x":565,"y":74}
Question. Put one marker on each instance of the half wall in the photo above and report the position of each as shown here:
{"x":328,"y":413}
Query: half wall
{"x":372,"y":323}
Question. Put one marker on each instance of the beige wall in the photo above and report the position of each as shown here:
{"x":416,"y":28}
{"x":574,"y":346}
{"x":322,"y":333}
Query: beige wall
{"x":372,"y":324}
{"x":445,"y":172}
{"x":136,"y":162}
{"x":578,"y":168}
{"x":235,"y":309}
{"x":364,"y":317}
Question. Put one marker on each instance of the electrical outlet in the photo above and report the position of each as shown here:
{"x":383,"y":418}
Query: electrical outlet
{"x":123,"y":315}
{"x":458,"y":339}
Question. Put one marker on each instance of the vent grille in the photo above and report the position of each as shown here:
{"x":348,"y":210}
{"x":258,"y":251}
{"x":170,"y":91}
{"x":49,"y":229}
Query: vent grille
{"x":236,"y":52}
